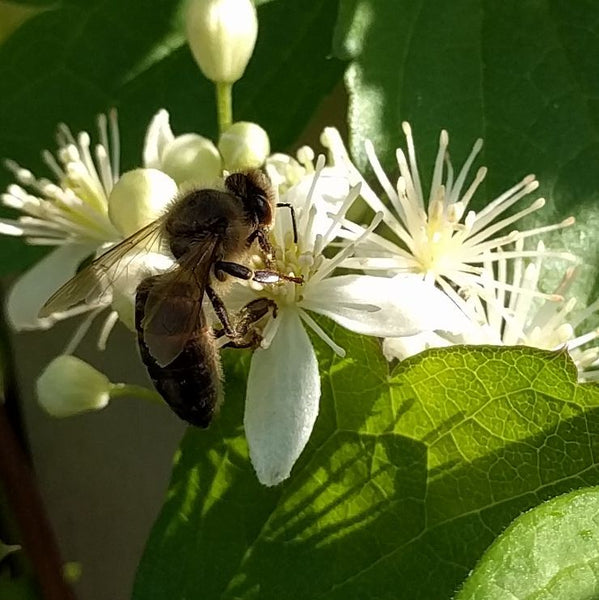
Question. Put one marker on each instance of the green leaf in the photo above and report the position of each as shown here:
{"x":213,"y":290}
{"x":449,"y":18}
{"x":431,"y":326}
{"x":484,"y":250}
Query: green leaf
{"x":521,"y":75}
{"x":408,"y":477}
{"x":77,"y":59}
{"x":549,"y":553}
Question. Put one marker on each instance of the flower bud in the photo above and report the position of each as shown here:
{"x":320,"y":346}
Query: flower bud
{"x":244,"y":146}
{"x":69,"y":386}
{"x":138,"y":198}
{"x":191,"y":157}
{"x":221,"y":35}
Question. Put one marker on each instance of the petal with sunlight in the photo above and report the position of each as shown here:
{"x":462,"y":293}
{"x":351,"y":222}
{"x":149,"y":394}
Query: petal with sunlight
{"x":283,"y":392}
{"x":385,"y":307}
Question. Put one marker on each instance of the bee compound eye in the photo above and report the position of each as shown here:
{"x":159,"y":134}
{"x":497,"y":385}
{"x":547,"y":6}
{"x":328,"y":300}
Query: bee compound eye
{"x":262,"y":209}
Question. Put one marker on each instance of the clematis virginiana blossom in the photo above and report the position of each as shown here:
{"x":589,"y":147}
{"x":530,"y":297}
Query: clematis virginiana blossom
{"x":283,"y":389}
{"x":511,"y":309}
{"x":439,"y":236}
{"x":89,"y":208}
{"x":70,"y":215}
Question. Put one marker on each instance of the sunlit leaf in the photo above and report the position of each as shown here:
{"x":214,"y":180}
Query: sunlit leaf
{"x":550,"y":552}
{"x":408,"y":477}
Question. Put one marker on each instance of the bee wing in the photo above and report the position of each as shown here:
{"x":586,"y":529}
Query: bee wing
{"x":91,"y":284}
{"x":173,"y":308}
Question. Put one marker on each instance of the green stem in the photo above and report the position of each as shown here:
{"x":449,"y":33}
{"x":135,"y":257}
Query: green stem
{"x":119,"y":390}
{"x":224,"y":106}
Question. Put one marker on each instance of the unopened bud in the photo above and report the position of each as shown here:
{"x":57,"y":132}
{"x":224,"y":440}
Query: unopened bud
{"x":244,"y":146}
{"x":69,"y":386}
{"x":221,"y":35}
{"x":191,"y":157}
{"x":138,"y":198}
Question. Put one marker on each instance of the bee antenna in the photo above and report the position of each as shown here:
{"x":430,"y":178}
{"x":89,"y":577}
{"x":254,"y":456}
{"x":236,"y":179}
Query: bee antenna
{"x":293,"y":221}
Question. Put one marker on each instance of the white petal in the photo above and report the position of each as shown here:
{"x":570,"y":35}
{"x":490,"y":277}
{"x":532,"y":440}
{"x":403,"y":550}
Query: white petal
{"x":281,"y":406}
{"x":34,"y":287}
{"x":159,"y":134}
{"x":385,"y":307}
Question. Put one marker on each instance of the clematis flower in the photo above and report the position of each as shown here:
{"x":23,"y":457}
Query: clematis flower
{"x":283,"y":388}
{"x":71,"y":215}
{"x":90,"y":208}
{"x":517,"y":312}
{"x":438,"y":236}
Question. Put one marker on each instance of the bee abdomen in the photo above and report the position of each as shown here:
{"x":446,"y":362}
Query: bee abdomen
{"x":191,"y":384}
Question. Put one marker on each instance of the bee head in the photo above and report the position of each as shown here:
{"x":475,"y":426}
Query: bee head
{"x":256,"y":193}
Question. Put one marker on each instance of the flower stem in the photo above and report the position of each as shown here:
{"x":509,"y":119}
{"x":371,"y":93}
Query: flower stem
{"x":119,"y":390}
{"x":224,"y":106}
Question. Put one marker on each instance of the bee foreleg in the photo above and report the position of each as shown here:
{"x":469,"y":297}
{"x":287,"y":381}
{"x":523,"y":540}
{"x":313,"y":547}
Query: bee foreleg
{"x":264,"y":244}
{"x":267,"y":276}
{"x":223,"y":267}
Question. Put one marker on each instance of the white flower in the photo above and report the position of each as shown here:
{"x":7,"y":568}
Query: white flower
{"x":88,"y":210}
{"x":517,"y":312}
{"x":284,"y":386}
{"x":437,"y":237}
{"x":526,"y":316}
{"x":71,"y":214}
{"x":75,"y":209}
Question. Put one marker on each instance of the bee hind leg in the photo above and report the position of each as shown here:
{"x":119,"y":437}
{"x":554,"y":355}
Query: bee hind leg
{"x":221,"y":312}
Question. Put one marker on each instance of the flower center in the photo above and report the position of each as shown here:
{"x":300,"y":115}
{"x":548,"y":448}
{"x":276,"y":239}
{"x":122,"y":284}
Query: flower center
{"x":289,"y":260}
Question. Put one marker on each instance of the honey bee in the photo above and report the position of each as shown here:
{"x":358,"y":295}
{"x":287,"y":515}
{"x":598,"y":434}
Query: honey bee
{"x":209,"y":233}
